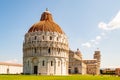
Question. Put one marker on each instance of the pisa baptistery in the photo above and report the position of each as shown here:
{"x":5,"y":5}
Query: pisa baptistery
{"x":45,"y":48}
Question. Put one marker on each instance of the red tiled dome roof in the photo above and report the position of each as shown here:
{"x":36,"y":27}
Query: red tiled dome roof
{"x":46,"y":23}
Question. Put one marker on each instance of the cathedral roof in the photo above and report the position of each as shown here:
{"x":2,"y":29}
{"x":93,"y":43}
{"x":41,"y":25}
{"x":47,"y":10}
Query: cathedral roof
{"x":10,"y":64}
{"x":46,"y":23}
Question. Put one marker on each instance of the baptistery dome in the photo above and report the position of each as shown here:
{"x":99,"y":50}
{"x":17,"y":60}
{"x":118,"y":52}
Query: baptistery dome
{"x":45,"y":48}
{"x":46,"y":23}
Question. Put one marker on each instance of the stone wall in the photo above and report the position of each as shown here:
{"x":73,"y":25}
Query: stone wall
{"x":48,"y":51}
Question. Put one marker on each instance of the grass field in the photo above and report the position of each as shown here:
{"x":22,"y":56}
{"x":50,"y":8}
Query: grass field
{"x":70,"y":77}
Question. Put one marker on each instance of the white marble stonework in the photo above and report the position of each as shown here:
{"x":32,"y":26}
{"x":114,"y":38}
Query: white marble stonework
{"x":46,"y":51}
{"x":10,"y":68}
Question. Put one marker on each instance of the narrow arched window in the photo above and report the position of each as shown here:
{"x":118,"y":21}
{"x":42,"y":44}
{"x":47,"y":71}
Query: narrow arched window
{"x":8,"y":70}
{"x":43,"y":37}
{"x":58,"y":63}
{"x":51,"y":63}
{"x":28,"y":63}
{"x":43,"y":63}
{"x":57,"y":39}
{"x":35,"y":50}
{"x":35,"y":37}
{"x":50,"y":37}
{"x":58,"y":51}
{"x":49,"y":50}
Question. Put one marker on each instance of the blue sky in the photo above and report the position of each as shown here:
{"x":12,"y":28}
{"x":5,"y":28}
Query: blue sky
{"x":89,"y":24}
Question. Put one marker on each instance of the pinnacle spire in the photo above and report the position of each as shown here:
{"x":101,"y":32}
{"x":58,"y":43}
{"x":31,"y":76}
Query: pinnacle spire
{"x":46,"y":9}
{"x":46,"y":16}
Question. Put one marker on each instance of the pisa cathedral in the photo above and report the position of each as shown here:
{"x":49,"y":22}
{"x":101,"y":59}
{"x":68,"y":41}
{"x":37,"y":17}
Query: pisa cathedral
{"x":46,"y":51}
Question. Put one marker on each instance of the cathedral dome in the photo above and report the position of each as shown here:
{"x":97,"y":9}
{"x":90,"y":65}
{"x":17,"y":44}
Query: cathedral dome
{"x":46,"y":23}
{"x":78,"y":52}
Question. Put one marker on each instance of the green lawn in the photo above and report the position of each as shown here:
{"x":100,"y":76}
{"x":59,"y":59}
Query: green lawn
{"x":70,"y":77}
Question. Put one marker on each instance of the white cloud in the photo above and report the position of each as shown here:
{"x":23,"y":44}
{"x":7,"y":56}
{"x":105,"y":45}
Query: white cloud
{"x":103,"y":33}
{"x":97,"y":42}
{"x":87,"y":44}
{"x":112,"y":25}
{"x":12,"y":61}
{"x":92,"y":42}
{"x":98,"y":38}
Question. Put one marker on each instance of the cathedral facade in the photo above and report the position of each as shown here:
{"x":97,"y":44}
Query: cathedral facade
{"x":78,"y":65}
{"x":46,"y":51}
